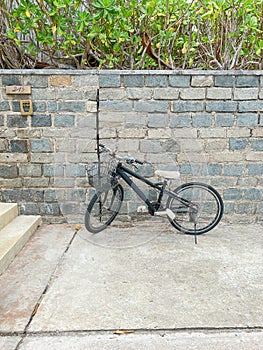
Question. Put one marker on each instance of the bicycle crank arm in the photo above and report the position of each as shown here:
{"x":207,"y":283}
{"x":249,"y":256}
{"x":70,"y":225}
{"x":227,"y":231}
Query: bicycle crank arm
{"x":166,"y":212}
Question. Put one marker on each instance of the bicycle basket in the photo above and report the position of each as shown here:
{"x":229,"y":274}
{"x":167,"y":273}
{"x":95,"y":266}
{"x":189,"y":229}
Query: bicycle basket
{"x":100,"y":176}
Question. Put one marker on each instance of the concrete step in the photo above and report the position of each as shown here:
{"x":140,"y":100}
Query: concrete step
{"x":8,"y":211}
{"x":14,"y":236}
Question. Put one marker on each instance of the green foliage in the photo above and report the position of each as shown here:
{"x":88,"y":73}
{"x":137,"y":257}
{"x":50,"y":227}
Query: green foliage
{"x":181,"y":34}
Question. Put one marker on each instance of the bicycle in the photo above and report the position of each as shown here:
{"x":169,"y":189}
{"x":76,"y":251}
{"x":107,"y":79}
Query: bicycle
{"x":192,"y":208}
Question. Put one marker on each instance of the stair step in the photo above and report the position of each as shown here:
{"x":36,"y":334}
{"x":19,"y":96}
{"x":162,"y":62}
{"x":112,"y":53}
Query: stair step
{"x":8,"y":211}
{"x":14,"y":236}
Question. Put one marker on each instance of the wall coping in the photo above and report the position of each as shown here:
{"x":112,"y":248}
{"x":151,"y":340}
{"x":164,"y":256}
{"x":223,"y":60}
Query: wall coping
{"x":128,"y":72}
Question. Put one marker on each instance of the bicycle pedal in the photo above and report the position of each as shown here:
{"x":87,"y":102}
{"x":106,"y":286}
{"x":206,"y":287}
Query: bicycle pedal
{"x":170,"y":214}
{"x":142,"y":209}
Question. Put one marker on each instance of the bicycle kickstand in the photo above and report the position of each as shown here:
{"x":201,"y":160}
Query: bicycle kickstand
{"x":195,"y":233}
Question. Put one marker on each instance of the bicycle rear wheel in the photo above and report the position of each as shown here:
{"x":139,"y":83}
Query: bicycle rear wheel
{"x":103,"y":208}
{"x":204,"y":211}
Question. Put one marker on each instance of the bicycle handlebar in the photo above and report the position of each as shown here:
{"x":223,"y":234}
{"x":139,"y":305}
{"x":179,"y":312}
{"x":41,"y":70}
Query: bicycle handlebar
{"x":128,"y":159}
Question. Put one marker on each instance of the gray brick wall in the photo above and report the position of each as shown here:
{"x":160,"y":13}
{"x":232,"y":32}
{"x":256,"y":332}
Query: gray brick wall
{"x":208,"y":125}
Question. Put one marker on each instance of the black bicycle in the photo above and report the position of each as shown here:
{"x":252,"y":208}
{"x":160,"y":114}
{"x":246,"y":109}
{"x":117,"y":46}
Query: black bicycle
{"x":192,"y":208}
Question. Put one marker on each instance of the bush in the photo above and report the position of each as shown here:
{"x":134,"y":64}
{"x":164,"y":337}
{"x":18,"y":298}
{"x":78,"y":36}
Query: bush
{"x":132,"y":34}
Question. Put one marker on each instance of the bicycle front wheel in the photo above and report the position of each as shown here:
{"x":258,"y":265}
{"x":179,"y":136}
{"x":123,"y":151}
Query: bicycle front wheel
{"x":103,"y":208}
{"x":199,"y":210}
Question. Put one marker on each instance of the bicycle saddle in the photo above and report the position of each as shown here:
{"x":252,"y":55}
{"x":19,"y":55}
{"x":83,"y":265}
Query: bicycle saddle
{"x":169,"y":175}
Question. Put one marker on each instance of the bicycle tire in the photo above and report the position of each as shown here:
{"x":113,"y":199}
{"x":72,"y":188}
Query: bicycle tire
{"x":103,"y":209}
{"x":207,"y":200}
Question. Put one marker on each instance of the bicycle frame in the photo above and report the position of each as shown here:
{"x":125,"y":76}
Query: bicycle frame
{"x":122,"y":171}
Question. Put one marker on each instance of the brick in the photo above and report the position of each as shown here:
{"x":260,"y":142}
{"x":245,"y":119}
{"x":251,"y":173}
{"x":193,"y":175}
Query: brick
{"x":128,"y":145}
{"x":214,"y":169}
{"x":110,"y":80}
{"x":121,"y":106}
{"x":156,"y":80}
{"x":247,"y":81}
{"x":64,"y":120}
{"x":28,"y":133}
{"x":238,"y":144}
{"x":179,"y":80}
{"x":212,"y":133}
{"x":29,"y":209}
{"x":76,"y":194}
{"x":44,"y":94}
{"x":53,"y":170}
{"x":250,"y":106}
{"x":190,"y":169}
{"x":36,"y":81}
{"x":129,"y":133}
{"x":151,"y":107}
{"x":171,"y":146}
{"x":238,"y":132}
{"x":11,"y":80}
{"x":202,"y":120}
{"x":133,"y":80}
{"x":69,"y":94}
{"x":16,"y":106}
{"x":224,"y":119}
{"x":17,"y":121}
{"x":75,"y":170}
{"x":90,"y":94}
{"x":52,"y":106}
{"x":39,"y":106}
{"x":217,"y":93}
{"x":1,"y":120}
{"x":224,"y":81}
{"x":146,"y":170}
{"x":166,"y":94}
{"x":72,"y":106}
{"x":247,"y":119}
{"x":69,"y":208}
{"x":234,"y":170}
{"x":232,"y":193}
{"x":192,"y":94}
{"x":156,"y":120}
{"x":88,"y":80}
{"x":60,"y":80}
{"x":66,"y":145}
{"x":112,"y":94}
{"x":180,"y":120}
{"x":227,"y":157}
{"x":246,"y":208}
{"x":202,"y":81}
{"x":221,"y":106}
{"x":50,"y":209}
{"x":35,"y":182}
{"x":160,"y":133}
{"x":41,"y":145}
{"x":4,"y":106}
{"x":139,"y":93}
{"x":255,"y":169}
{"x":32,"y":195}
{"x":51,"y":195}
{"x":253,"y":194}
{"x":254,"y":156}
{"x":8,"y":171}
{"x":13,"y":158}
{"x":41,"y":120}
{"x":148,"y":146}
{"x":245,"y":94}
{"x":20,"y":146}
{"x":12,"y":196}
{"x":2,"y":145}
{"x":29,"y":170}
{"x":187,"y":106}
{"x":229,"y":208}
{"x":135,"y":120}
{"x":257,"y":145}
{"x":216,"y":145}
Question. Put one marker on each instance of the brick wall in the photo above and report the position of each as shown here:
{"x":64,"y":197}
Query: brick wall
{"x":208,"y":125}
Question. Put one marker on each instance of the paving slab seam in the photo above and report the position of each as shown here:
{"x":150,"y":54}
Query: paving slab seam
{"x":205,"y":330}
{"x":43,"y":294}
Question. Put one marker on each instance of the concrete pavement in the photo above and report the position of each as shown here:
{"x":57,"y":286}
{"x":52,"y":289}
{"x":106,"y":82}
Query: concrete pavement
{"x":73,"y":290}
